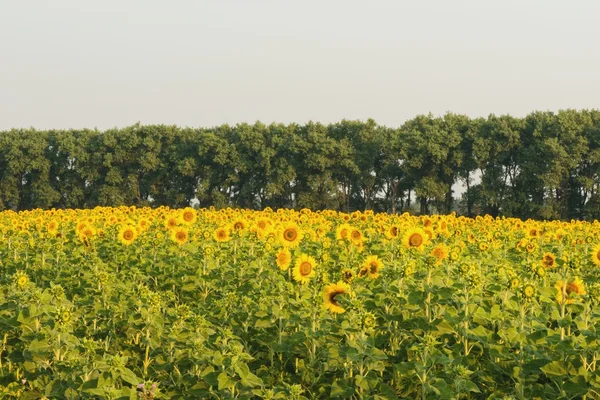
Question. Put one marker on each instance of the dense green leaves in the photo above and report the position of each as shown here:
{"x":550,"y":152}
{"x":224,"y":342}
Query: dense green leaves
{"x":543,"y":166}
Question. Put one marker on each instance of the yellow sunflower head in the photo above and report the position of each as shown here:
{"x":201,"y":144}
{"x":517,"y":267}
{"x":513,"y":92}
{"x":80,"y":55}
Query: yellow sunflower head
{"x":240,"y":225}
{"x":283,"y":259}
{"x":356,"y":235}
{"x":188,"y":216}
{"x":21,"y":280}
{"x":548,"y":260}
{"x":440,"y":252}
{"x":415,"y":238}
{"x":372,"y":265}
{"x":348,"y":275}
{"x":331,"y":299}
{"x":391,"y":232}
{"x":171,"y":222}
{"x":567,"y":292}
{"x":528,"y":291}
{"x":53,"y":227}
{"x":343,"y":231}
{"x":127,"y":235}
{"x":290,"y":235}
{"x":180,"y":235}
{"x":304,"y":268}
{"x":222,"y":235}
{"x":595,"y":255}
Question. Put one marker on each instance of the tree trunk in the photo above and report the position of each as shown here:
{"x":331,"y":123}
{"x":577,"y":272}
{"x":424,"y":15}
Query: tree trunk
{"x":394,"y":189}
{"x":469,"y":205}
{"x":423,"y":206}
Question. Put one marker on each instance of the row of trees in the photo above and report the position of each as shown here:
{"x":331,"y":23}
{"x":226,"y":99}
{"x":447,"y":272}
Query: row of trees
{"x":545,"y":165}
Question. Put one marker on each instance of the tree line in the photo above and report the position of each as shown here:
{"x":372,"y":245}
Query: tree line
{"x":544,"y":166}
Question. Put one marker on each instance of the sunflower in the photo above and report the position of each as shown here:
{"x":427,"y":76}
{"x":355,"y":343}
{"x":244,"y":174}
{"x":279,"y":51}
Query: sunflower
{"x":548,"y":260}
{"x":180,"y":235}
{"x":188,"y":216}
{"x":240,"y":225}
{"x":533,"y":233}
{"x":342,"y":232}
{"x":143,"y":224}
{"x":372,"y":265}
{"x":391,"y":232}
{"x":329,"y":296}
{"x":284,"y":259}
{"x":440,"y":252}
{"x":530,"y":247}
{"x":595,"y":255}
{"x":21,"y":279}
{"x":348,"y":275}
{"x":87,"y":233}
{"x":289,"y":235}
{"x":514,"y":283}
{"x":566,"y":289}
{"x":415,"y":238}
{"x":363,"y":271}
{"x":263,"y":224}
{"x":304,"y":268}
{"x":127,"y":235}
{"x":528,"y":291}
{"x":53,"y":227}
{"x":356,"y":236}
{"x":80,"y":226}
{"x":171,"y":222}
{"x":222,"y":235}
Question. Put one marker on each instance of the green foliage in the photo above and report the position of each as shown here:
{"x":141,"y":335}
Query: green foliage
{"x":543,"y":166}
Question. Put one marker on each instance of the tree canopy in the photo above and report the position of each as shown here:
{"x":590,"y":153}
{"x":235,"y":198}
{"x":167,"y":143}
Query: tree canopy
{"x":544,"y":166}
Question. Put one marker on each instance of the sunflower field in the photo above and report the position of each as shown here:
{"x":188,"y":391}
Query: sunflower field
{"x":141,"y":303}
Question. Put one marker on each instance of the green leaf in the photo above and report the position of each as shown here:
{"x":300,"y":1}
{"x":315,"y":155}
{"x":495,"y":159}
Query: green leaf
{"x":555,"y":368}
{"x":225,"y":382}
{"x":248,"y":378}
{"x":129,"y":376}
{"x":340,"y":390}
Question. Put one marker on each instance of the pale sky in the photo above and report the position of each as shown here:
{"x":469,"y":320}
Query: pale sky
{"x":85,"y":64}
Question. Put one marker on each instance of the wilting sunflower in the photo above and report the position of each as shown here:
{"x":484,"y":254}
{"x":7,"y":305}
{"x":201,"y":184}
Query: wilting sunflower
{"x":304,"y":268}
{"x":415,"y":238}
{"x":180,"y":235}
{"x":188,"y":216}
{"x":222,"y":235}
{"x":127,"y":235}
{"x":348,"y":275}
{"x":289,"y":235}
{"x":595,"y":255}
{"x":548,"y":260}
{"x":284,"y":259}
{"x":372,"y":265}
{"x":576,"y":286}
{"x":530,"y":247}
{"x":329,"y":296}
